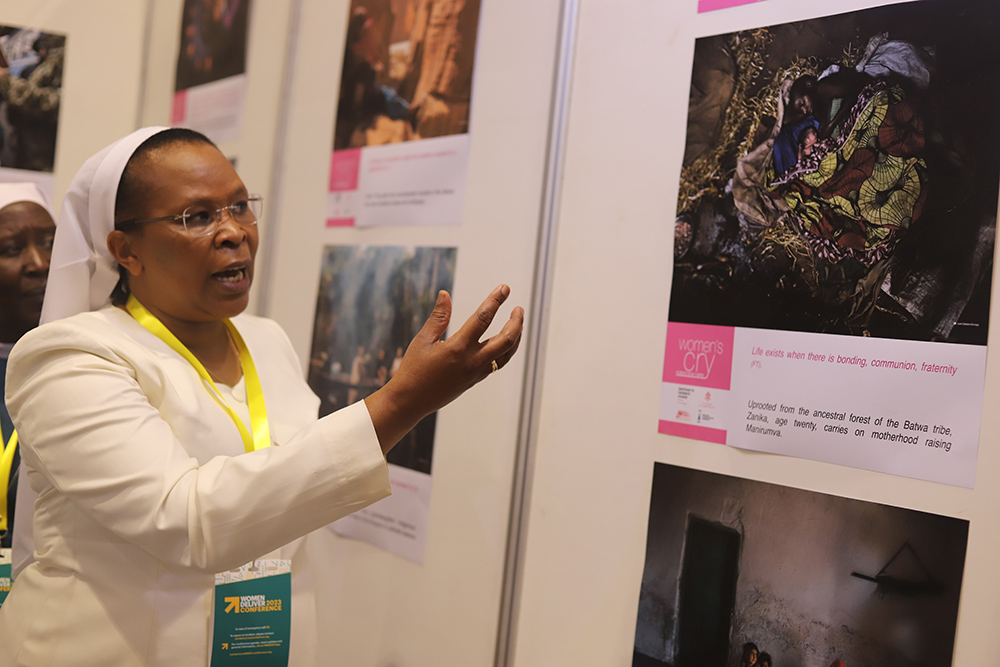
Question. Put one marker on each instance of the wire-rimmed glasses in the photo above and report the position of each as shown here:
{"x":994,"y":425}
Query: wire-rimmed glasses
{"x":201,"y":221}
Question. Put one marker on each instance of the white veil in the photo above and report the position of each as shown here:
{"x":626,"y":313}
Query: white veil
{"x":12,"y":193}
{"x":82,"y":272}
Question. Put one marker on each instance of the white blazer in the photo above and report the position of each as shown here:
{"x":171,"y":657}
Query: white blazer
{"x":144,"y":491}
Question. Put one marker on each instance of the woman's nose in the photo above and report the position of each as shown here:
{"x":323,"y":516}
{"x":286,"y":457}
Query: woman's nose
{"x":229,"y":230}
{"x":36,"y":259}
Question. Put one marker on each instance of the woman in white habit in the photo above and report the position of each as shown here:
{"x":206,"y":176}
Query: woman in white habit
{"x":146,"y":485}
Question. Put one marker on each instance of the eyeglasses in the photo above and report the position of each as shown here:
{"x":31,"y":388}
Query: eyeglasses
{"x":199,"y":221}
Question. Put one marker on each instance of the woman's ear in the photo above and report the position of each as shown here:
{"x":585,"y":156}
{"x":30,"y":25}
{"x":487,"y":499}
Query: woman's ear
{"x":120,"y":247}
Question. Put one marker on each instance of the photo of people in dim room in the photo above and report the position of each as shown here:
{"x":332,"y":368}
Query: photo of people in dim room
{"x":31,"y":71}
{"x":213,"y":41}
{"x":741,"y":573}
{"x":838,"y":175}
{"x":372,"y":302}
{"x":407,"y":73}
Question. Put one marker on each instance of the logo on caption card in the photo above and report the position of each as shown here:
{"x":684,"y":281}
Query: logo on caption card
{"x":698,"y":357}
{"x":698,"y":354}
{"x":246,"y":604}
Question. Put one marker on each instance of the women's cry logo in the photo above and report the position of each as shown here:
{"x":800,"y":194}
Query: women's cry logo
{"x":699,"y":357}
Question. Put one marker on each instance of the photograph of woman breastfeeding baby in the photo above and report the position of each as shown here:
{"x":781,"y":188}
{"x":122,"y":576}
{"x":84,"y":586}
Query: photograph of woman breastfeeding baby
{"x":839,"y":175}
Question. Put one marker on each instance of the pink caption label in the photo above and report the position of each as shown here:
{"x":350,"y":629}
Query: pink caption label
{"x":693,"y":432}
{"x":345,"y":166}
{"x":179,"y":112}
{"x":712,"y":5}
{"x":699,"y":354}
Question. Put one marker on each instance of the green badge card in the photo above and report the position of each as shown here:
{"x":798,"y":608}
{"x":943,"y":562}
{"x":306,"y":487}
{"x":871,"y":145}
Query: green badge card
{"x":4,"y":574}
{"x":253,"y":615}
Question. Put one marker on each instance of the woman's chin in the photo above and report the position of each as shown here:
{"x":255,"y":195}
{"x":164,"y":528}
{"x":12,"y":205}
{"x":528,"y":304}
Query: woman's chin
{"x":235,"y":305}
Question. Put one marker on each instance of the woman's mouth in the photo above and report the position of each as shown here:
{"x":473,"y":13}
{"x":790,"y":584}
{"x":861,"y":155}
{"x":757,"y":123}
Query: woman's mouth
{"x":231,"y":275}
{"x":234,"y":278}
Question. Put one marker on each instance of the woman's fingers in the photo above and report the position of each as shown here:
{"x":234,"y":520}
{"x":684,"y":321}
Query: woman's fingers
{"x":437,"y":322}
{"x":501,"y":347}
{"x":506,"y":356}
{"x":480,"y":321}
{"x":502,"y":360}
{"x":435,"y":372}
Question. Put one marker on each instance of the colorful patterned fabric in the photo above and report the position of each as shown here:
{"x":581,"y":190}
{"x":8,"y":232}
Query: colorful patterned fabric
{"x":863,"y":185}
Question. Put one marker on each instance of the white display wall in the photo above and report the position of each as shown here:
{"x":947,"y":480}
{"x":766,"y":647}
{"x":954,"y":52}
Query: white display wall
{"x":379,"y":609}
{"x":598,"y":435}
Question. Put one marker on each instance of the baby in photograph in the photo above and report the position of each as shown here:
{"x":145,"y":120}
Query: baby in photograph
{"x":806,"y":141}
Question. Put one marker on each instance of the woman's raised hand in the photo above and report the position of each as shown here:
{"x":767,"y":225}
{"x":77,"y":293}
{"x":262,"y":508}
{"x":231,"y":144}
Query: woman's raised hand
{"x":434,"y":372}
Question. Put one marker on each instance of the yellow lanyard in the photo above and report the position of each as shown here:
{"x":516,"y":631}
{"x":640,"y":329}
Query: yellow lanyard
{"x":6,"y":461}
{"x":255,"y":395}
